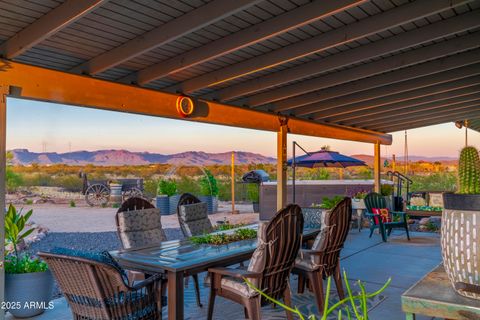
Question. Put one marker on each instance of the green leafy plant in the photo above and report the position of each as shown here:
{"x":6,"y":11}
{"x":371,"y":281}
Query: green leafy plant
{"x":228,"y":226}
{"x":386,"y":190}
{"x":329,"y":203}
{"x":208,"y":184}
{"x":224,"y":238}
{"x":24,"y":264}
{"x":15,"y":233}
{"x":360,"y":195}
{"x":252,"y":192}
{"x":469,"y":171}
{"x":353,"y":305}
{"x":167,"y":187}
{"x":29,"y":201}
{"x":72,"y":204}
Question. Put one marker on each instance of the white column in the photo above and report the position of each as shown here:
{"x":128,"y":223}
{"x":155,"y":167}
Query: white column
{"x":282,"y":166}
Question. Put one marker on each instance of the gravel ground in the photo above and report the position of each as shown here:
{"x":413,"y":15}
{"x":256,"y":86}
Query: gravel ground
{"x":86,"y":241}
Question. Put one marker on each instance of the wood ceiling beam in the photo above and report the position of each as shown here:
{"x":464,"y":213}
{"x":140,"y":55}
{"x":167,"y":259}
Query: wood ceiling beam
{"x":433,"y":120}
{"x":368,"y":99}
{"x":375,"y":49}
{"x":37,"y":83}
{"x":270,"y":28}
{"x":363,"y":28}
{"x":170,"y":31}
{"x":410,"y":67}
{"x":345,"y":111}
{"x":47,"y":25}
{"x":427,"y":102}
{"x":421,"y":113}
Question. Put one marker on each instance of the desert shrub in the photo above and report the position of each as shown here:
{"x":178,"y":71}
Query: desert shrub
{"x":69,"y":183}
{"x":188,"y":184}
{"x":317,"y":174}
{"x":365,"y":173}
{"x":13,"y":180}
{"x":208,"y":184}
{"x":438,"y":181}
{"x":72,"y":204}
{"x":252,"y":192}
{"x":150,"y":188}
{"x":225,"y":190}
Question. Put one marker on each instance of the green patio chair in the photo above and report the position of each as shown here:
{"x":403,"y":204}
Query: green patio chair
{"x":399,"y":219}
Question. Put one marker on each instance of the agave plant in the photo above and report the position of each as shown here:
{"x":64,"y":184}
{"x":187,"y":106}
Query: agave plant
{"x":353,"y":305}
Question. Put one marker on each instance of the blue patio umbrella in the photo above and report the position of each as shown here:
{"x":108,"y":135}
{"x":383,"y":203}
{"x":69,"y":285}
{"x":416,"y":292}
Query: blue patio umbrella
{"x":320,"y":159}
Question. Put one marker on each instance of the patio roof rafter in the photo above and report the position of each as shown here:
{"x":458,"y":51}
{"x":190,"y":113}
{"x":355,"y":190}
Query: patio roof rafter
{"x":48,"y":85}
{"x":172,"y":30}
{"x":259,"y":32}
{"x":424,"y":103}
{"x":412,"y":124}
{"x":445,"y":81}
{"x":375,"y":49}
{"x":424,"y":113}
{"x":409,"y":66}
{"x":363,"y":28}
{"x":53,"y":21}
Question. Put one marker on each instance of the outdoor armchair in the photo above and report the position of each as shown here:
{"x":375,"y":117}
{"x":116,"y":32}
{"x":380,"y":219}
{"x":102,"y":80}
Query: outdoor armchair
{"x":322,"y":260}
{"x":98,"y":290}
{"x":398,"y":219}
{"x":278,"y":243}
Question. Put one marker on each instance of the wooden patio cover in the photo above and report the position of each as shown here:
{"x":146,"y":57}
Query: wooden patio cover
{"x":350,"y":69}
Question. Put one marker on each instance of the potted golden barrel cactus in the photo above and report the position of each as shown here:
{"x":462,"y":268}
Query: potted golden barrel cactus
{"x":461,"y":225}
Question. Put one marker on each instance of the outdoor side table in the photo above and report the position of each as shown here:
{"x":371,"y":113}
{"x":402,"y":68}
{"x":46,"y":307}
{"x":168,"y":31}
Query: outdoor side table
{"x":434,"y":296}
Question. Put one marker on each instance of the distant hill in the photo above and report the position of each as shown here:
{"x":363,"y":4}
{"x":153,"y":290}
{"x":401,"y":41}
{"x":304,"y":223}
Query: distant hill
{"x":125,"y":157}
{"x":368,"y":159}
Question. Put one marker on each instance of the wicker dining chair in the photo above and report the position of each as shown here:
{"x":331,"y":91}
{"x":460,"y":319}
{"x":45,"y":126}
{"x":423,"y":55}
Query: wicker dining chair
{"x":322,"y":260}
{"x":95,"y":290}
{"x":193,"y":216}
{"x":269,"y":269}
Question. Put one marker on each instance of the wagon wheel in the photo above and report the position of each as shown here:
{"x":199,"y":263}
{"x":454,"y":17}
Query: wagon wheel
{"x":97,"y":195}
{"x":132,"y":193}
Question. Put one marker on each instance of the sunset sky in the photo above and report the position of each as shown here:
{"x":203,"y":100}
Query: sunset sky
{"x":32,"y":125}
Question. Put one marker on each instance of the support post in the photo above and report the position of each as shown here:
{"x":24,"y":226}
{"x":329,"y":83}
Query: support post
{"x":282,"y":165}
{"x":233,"y":184}
{"x":376,"y":167}
{"x":4,"y":90}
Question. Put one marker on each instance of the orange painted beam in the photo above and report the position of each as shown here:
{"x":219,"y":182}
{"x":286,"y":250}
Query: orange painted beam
{"x":38,"y":83}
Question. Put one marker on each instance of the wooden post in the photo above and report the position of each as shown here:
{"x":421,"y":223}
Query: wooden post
{"x":376,"y":167}
{"x":233,"y":184}
{"x":282,"y":166}
{"x":4,"y":90}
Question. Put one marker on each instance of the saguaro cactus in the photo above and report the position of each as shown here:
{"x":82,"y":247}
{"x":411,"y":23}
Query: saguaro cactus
{"x":469,"y":171}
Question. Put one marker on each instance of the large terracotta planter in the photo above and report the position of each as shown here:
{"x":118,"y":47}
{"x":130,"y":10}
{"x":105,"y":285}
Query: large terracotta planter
{"x":460,"y":240}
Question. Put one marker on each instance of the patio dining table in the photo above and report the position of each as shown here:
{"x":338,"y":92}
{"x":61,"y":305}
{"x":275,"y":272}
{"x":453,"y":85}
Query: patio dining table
{"x":181,"y":258}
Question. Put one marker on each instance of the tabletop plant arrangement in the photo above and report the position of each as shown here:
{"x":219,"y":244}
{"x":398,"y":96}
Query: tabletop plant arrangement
{"x":28,"y":282}
{"x":224,"y":238}
{"x":460,"y":225}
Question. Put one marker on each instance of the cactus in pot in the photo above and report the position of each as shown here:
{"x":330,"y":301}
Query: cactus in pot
{"x":460,"y":225}
{"x":469,"y":171}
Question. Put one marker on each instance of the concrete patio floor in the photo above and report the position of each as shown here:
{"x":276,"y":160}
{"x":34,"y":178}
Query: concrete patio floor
{"x":367,"y":259}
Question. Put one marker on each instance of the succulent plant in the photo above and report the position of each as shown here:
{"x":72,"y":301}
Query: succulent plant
{"x":469,"y":171}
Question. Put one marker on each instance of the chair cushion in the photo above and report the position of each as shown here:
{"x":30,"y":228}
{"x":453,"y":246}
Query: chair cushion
{"x":382,"y":213}
{"x":194,"y":212}
{"x":103,"y":257}
{"x":313,"y":217}
{"x":312,"y":262}
{"x":238,"y":286}
{"x":138,"y":228}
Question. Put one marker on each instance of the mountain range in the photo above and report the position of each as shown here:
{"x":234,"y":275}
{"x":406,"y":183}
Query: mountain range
{"x":125,"y":157}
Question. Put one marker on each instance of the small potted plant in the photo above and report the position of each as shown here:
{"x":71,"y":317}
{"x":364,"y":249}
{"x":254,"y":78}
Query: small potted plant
{"x":461,"y":225}
{"x":166,"y":189}
{"x":209,"y":191}
{"x":28,"y":282}
{"x":386,"y":190}
{"x":358,"y":200}
{"x":252,"y":195}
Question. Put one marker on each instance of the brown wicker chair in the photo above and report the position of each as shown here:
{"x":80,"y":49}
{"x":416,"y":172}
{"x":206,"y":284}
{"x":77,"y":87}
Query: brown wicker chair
{"x":96,"y":290}
{"x":269,"y":269}
{"x":323,"y":259}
